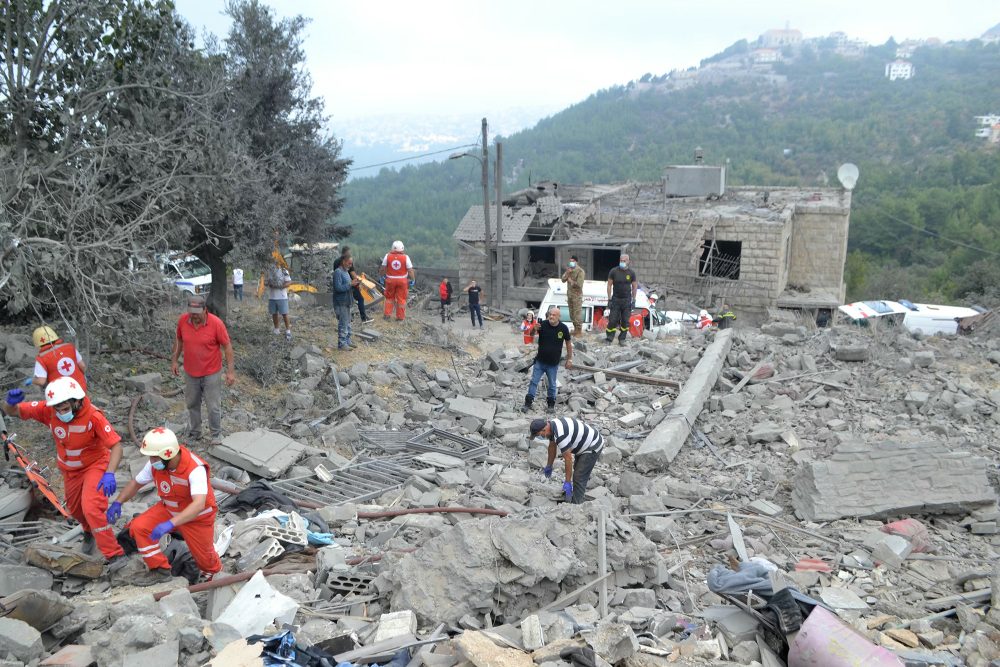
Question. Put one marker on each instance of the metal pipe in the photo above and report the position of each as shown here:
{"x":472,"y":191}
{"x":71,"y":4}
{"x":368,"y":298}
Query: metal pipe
{"x":430,"y":510}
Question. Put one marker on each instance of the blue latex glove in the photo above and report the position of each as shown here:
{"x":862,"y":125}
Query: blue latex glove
{"x":412,"y":283}
{"x":27,"y":381}
{"x":547,"y":471}
{"x":161,"y":530}
{"x":381,"y":281}
{"x":108,"y":484}
{"x":114,"y":512}
{"x":15,"y":396}
{"x":568,"y":490}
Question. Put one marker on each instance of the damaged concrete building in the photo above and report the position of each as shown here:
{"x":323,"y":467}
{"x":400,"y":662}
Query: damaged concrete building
{"x":688,"y":235}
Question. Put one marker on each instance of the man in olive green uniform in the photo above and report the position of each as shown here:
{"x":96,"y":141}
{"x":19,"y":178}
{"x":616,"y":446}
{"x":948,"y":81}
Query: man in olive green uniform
{"x":574,"y":277}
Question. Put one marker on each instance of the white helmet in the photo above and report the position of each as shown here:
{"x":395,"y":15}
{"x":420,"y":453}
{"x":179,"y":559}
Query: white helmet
{"x":397,"y":246}
{"x":162,"y":442}
{"x":63,"y":389}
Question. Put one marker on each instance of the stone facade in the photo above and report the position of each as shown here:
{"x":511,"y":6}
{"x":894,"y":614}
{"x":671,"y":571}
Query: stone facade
{"x":870,"y":480}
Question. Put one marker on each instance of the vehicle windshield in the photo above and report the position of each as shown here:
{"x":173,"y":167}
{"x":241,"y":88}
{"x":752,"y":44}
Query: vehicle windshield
{"x":193,"y":268}
{"x":879,"y":307}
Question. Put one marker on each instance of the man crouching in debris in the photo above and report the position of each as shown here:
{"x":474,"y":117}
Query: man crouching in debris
{"x":187,"y":505}
{"x":580,"y":444}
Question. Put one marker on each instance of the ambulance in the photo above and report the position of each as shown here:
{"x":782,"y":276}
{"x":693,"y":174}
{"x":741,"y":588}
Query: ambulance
{"x":595,"y":306}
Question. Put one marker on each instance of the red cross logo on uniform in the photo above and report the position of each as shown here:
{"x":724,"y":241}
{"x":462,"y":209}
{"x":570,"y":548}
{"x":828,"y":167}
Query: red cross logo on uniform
{"x":66,"y":367}
{"x":164,"y":487}
{"x":396,"y":264}
{"x":60,"y":432}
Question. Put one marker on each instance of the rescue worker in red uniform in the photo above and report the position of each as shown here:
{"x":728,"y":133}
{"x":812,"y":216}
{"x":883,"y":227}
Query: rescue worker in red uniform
{"x":529,"y":326}
{"x":56,"y":359}
{"x":187,"y":505}
{"x":397,"y":269}
{"x":88,"y":451}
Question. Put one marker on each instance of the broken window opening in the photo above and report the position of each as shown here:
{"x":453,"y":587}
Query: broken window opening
{"x":603,"y":261}
{"x":720,"y":259}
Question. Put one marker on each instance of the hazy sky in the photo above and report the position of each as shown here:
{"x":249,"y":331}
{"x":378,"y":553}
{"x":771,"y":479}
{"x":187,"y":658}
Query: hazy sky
{"x":466,"y":56}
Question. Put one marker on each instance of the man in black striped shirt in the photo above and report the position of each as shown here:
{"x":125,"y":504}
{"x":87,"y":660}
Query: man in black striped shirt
{"x":580,"y":445}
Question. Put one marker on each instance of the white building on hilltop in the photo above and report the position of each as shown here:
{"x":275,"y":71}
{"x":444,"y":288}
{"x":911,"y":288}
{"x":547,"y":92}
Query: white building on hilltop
{"x":899,"y":69}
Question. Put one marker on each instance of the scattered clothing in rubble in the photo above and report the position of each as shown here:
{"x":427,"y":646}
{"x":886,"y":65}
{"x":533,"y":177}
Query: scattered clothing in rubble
{"x":281,"y":650}
{"x":580,"y":656}
{"x":181,"y":561}
{"x":258,"y":496}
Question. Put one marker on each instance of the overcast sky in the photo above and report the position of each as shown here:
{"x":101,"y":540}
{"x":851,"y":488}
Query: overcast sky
{"x":466,"y":56}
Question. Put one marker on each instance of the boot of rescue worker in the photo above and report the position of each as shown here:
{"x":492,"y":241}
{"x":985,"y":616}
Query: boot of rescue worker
{"x":550,"y":405}
{"x":528,"y":400}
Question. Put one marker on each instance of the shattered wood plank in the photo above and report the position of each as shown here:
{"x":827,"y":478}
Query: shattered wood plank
{"x":738,"y":544}
{"x":631,"y":377}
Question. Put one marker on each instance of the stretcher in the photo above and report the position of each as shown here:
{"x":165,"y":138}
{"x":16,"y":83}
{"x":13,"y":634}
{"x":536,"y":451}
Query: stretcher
{"x":35,"y":473}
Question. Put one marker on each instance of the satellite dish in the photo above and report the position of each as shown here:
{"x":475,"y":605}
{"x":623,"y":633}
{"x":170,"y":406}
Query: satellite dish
{"x":848,"y":175}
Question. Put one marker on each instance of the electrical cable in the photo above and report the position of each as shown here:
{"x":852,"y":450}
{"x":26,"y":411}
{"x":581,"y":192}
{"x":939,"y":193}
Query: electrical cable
{"x":413,"y":157}
{"x":943,"y":238}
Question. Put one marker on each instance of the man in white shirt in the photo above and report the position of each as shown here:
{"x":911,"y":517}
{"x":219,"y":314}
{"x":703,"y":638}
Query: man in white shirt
{"x":238,"y":284}
{"x":277,"y":280}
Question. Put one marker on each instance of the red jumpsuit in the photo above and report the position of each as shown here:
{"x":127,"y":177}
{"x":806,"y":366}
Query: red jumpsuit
{"x":83,"y":450}
{"x":59,"y":360}
{"x":175,"y":495}
{"x":397,"y":284}
{"x":528,"y":327}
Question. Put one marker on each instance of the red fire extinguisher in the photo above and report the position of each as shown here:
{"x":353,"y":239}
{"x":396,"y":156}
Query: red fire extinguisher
{"x":636,"y":325}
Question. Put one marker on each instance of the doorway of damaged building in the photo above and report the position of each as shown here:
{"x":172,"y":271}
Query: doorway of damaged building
{"x":601,"y":263}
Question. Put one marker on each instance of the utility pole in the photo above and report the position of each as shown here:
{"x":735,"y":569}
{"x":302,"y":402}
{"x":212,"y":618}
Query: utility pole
{"x":497,"y":175}
{"x":487,"y":239}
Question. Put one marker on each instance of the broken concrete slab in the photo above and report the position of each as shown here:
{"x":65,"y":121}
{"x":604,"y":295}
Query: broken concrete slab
{"x":64,"y":560}
{"x":20,"y":640}
{"x":613,"y":641}
{"x":881,"y":478}
{"x":471,"y":407}
{"x":145,"y":383}
{"x":262,"y":452}
{"x":163,"y":655}
{"x":15,"y":578}
{"x":396,"y":624}
{"x":660,"y":447}
{"x":478,"y":649}
{"x":73,"y":655}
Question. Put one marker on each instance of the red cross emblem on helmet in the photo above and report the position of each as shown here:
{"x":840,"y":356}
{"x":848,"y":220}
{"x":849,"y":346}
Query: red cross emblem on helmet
{"x":51,"y":393}
{"x":159,"y":429}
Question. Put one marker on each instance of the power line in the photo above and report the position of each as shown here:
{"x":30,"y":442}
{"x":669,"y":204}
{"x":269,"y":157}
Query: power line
{"x":943,"y":238}
{"x":412,"y":157}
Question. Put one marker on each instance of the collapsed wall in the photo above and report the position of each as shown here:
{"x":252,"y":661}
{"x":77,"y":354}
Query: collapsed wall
{"x":514,"y":565}
{"x":870,"y":480}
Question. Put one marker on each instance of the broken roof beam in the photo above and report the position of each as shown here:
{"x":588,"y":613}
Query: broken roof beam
{"x":665,"y":441}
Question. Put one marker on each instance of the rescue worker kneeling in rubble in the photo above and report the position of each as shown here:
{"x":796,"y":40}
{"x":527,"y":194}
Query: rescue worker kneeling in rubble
{"x":187,"y":505}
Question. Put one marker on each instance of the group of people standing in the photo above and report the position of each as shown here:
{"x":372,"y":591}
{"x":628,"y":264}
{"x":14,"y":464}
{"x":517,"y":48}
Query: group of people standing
{"x":89,"y":450}
{"x":475,"y":293}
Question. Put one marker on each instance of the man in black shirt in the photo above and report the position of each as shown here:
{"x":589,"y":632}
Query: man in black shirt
{"x":552,"y":335}
{"x":475,"y":292}
{"x":622,"y":285}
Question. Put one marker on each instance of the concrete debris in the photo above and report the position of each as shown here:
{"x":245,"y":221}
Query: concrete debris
{"x":613,"y":641}
{"x":481,"y":652}
{"x":530,"y":561}
{"x":15,"y":578}
{"x":20,"y":640}
{"x":256,"y":607}
{"x":264,"y":453}
{"x":889,"y":477}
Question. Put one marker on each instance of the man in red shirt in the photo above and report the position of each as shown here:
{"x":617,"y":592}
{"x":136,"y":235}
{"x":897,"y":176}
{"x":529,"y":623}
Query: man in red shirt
{"x":88,"y":452}
{"x":56,"y":359}
{"x":187,"y":505}
{"x":203,"y":338}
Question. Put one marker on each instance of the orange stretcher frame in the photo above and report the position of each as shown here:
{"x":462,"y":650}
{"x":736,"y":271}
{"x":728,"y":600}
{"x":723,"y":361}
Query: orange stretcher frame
{"x":34,"y":473}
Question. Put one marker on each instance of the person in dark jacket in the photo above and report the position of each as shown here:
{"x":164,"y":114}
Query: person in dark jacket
{"x":343,"y":285}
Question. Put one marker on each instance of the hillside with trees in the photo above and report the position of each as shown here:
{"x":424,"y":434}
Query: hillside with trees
{"x":927,"y":205}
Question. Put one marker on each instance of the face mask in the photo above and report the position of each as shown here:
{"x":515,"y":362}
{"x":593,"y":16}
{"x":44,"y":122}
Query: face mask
{"x":159,"y":465}
{"x":65,"y":417}
{"x":622,"y":265}
{"x":572,"y":265}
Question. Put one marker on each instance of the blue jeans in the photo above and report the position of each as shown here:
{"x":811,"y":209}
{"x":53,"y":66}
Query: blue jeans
{"x":536,"y":376}
{"x":238,"y":292}
{"x":583,"y":466}
{"x":476,"y":310}
{"x":343,"y":324}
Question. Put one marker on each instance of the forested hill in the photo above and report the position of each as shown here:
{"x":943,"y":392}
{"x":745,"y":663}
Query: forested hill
{"x":922,"y":168}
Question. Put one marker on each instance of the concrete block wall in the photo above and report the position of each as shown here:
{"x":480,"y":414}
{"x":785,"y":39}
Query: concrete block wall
{"x":761,"y":261}
{"x":819,"y":246}
{"x":871,"y":480}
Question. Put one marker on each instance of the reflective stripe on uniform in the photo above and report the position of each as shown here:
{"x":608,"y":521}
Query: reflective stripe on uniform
{"x":178,"y":480}
{"x":170,"y":503}
{"x":70,"y":464}
{"x":75,"y":428}
{"x":74,"y":452}
{"x":101,"y":530}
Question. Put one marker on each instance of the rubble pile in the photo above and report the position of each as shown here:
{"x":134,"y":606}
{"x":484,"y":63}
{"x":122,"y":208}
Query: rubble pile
{"x":766,"y":494}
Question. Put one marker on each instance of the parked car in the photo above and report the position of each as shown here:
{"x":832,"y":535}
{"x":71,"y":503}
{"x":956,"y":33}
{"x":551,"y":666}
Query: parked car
{"x":595,"y":304}
{"x":922,"y":318}
{"x":187,"y":272}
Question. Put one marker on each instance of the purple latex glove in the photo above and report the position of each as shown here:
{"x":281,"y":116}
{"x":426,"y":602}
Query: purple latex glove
{"x":161,"y":530}
{"x":114,"y":512}
{"x":15,"y":396}
{"x":547,"y":471}
{"x":568,"y":490}
{"x":108,"y":484}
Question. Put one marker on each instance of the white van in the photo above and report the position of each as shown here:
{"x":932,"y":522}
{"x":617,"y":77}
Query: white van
{"x":595,"y":303}
{"x":927,"y":319}
{"x":187,"y":272}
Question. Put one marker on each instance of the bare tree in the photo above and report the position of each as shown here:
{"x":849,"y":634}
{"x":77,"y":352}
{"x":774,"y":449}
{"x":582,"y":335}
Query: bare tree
{"x":107,"y":117}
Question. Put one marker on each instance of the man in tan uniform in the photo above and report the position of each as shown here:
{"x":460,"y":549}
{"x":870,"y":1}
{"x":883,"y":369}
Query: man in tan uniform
{"x":574,"y":277}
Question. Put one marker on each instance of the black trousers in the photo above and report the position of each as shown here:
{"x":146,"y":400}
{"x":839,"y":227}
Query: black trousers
{"x":618,"y":314}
